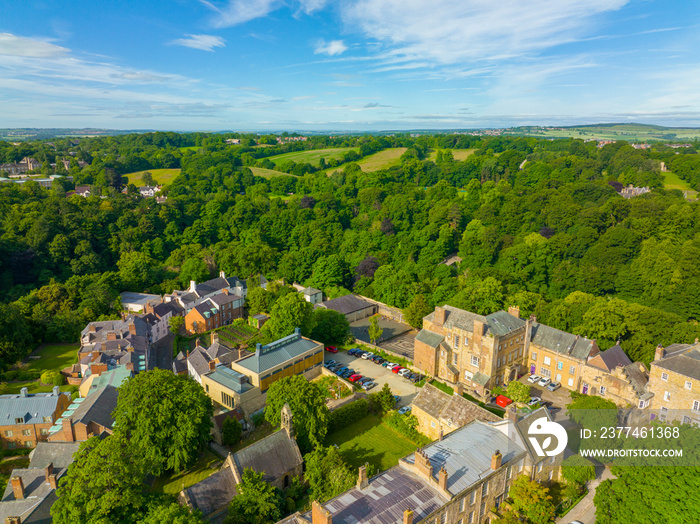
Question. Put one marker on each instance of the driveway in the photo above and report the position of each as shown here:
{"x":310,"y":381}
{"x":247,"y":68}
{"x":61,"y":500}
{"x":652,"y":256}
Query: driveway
{"x":399,"y":385}
{"x":584,"y":511}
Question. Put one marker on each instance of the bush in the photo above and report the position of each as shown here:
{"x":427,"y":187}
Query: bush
{"x":53,"y":378}
{"x":406,"y":425}
{"x":11,"y":375}
{"x":258,"y":418}
{"x":348,"y":414}
{"x":231,"y":432}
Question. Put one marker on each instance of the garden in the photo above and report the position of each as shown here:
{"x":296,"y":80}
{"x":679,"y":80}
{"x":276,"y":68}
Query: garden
{"x":40,"y":371}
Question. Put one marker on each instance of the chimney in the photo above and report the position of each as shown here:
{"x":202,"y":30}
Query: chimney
{"x":408,"y":517}
{"x":212,"y":365}
{"x":13,"y":520}
{"x":660,"y":352}
{"x":514,"y":311}
{"x":258,"y":349}
{"x":48,"y":471}
{"x":196,"y":343}
{"x":130,"y":348}
{"x":496,"y":460}
{"x":132,"y":328}
{"x":130,"y":366}
{"x":214,"y":338}
{"x":17,"y":487}
{"x":111,"y":335}
{"x":512,"y":414}
{"x":24,"y":392}
{"x":225,"y":291}
{"x":193,"y":285}
{"x":53,"y":481}
{"x":56,"y":391}
{"x":297,"y":331}
{"x":440,"y":314}
{"x":362,"y":481}
{"x":478,"y":332}
{"x":319,"y":514}
{"x":222,"y":274}
{"x":92,"y":328}
{"x":459,"y":390}
{"x":442,"y":478}
{"x":440,"y":434}
{"x":425,"y":468}
{"x":188,"y":353}
{"x":67,"y":428}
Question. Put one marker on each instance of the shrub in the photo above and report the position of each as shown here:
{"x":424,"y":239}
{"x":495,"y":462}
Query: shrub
{"x":348,"y":414}
{"x":53,"y":378}
{"x":258,"y":418}
{"x":10,"y":375}
{"x":406,"y":425}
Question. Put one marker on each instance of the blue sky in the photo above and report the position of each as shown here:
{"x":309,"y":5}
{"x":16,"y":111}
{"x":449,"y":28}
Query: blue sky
{"x":259,"y":65}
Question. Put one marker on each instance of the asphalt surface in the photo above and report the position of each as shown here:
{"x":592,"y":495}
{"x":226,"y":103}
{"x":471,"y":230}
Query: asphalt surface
{"x":584,"y":511}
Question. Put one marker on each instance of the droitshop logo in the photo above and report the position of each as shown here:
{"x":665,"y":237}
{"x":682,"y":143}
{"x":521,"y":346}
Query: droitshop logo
{"x":543,"y":426}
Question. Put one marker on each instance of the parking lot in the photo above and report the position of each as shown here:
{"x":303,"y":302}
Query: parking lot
{"x":399,"y":385}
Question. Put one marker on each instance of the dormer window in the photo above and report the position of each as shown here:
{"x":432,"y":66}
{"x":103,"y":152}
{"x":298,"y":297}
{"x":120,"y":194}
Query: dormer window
{"x":19,"y":421}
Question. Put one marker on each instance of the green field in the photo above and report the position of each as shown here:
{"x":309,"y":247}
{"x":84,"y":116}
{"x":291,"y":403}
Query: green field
{"x":267,"y":173}
{"x":381,"y":160}
{"x":205,"y":467}
{"x":629,"y":132}
{"x":672,"y":181}
{"x":161,"y":176}
{"x":312,"y":156}
{"x":458,"y":154}
{"x":368,"y":440}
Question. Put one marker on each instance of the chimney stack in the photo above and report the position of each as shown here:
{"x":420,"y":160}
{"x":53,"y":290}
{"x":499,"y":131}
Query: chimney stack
{"x":408,"y":517}
{"x":660,"y":352}
{"x":214,"y":337}
{"x":53,"y":481}
{"x":13,"y":520}
{"x":193,"y":285}
{"x":67,"y":428}
{"x":222,"y":274}
{"x":197,"y":343}
{"x":512,"y":414}
{"x":442,"y":478}
{"x":48,"y":470}
{"x":440,"y":315}
{"x":212,"y":365}
{"x":459,"y":389}
{"x":132,"y":328}
{"x":92,"y":328}
{"x":514,"y":311}
{"x":17,"y":487}
{"x":56,"y":391}
{"x":362,"y":481}
{"x":478,"y":333}
{"x":23,"y":392}
{"x":496,"y":460}
{"x":319,"y":514}
{"x":440,"y":434}
{"x":425,"y":468}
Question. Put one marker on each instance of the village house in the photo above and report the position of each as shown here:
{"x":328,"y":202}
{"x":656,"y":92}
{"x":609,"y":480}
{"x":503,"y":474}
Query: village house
{"x":198,"y":293}
{"x":23,"y":166}
{"x":27,"y":418}
{"x":461,"y":478}
{"x":197,"y":362}
{"x":108,"y":343}
{"x":218,"y":420}
{"x":138,"y":302}
{"x":674,"y":382}
{"x":86,"y":417}
{"x":214,"y":312}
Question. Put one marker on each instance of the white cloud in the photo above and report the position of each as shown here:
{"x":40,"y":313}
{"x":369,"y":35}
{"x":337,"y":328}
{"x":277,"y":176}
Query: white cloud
{"x":311,"y":6}
{"x":240,"y":11}
{"x":332,"y":48}
{"x":13,"y":45}
{"x":202,"y":42}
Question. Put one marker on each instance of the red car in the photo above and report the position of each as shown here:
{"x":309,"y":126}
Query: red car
{"x":332,"y":349}
{"x":355,"y":378}
{"x":397,"y":369}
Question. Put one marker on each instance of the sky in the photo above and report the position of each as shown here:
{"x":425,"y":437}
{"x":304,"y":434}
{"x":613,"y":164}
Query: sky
{"x":347,"y":65}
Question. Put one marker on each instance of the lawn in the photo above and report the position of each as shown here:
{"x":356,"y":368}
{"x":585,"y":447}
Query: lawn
{"x":381,"y":160}
{"x":268,"y":173}
{"x":53,"y":356}
{"x":368,"y":440}
{"x":312,"y":156}
{"x":161,"y":176}
{"x":673,"y":181}
{"x":207,"y":464}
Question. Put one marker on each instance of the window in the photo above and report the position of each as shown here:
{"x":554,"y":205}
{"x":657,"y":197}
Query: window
{"x":498,"y":362}
{"x":8,"y":433}
{"x":482,"y":509}
{"x":547,"y":361}
{"x":550,"y":475}
{"x":662,"y":413}
{"x":475,"y":361}
{"x":454,"y":359}
{"x":687,"y":420}
{"x":572,"y":370}
{"x":539,"y":467}
{"x":470,"y":519}
{"x":44,"y":431}
{"x":26,"y":432}
{"x":456,"y":344}
{"x":19,"y":421}
{"x":534,"y":356}
{"x":207,"y":388}
{"x":508,"y":472}
{"x":643,"y":404}
{"x":432,"y":423}
{"x":472,"y":498}
{"x":667,"y":396}
{"x":468,"y":375}
{"x":664,"y":376}
{"x":688,"y":384}
{"x":28,"y":444}
{"x":505,"y":493}
{"x":510,"y":358}
{"x":602,"y":391}
{"x":11,"y":445}
{"x":696,"y":405}
{"x":461,"y":505}
{"x":558,"y":377}
{"x":485,"y":489}
{"x":545,"y":372}
{"x":443,"y":518}
{"x":551,"y":460}
{"x":560,"y":366}
{"x":49,"y":421}
{"x":571,"y":382}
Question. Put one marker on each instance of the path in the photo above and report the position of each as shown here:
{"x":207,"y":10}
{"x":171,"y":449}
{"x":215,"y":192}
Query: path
{"x":584,"y":511}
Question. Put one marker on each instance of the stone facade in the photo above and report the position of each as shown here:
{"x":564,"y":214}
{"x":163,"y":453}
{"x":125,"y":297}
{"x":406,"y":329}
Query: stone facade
{"x":674,"y":382}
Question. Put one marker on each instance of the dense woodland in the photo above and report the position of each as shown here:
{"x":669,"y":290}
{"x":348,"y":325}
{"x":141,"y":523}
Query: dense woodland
{"x":538,"y":223}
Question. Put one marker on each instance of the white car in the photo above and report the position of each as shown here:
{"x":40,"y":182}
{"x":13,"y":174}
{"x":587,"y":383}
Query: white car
{"x":534,"y":400}
{"x":544,"y":381}
{"x":532,"y":379}
{"x":367,"y":356}
{"x":554,"y":386}
{"x":404,"y":372}
{"x":404,"y":410}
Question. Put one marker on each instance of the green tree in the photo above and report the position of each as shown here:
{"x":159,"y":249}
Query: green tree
{"x":193,"y":269}
{"x":166,"y":417}
{"x":327,"y":473}
{"x":532,"y":501}
{"x":147,"y":178}
{"x":103,"y":485}
{"x":577,"y":470}
{"x":375,"y":330}
{"x":382,"y":400}
{"x":136,"y":270}
{"x":231,"y":431}
{"x":175,"y":323}
{"x":257,"y":501}
{"x":330,"y":271}
{"x":170,"y":512}
{"x":417,"y":309}
{"x":330,"y":327}
{"x":307,"y":401}
{"x":289,"y":312}
{"x":259,"y":300}
{"x":518,"y":391}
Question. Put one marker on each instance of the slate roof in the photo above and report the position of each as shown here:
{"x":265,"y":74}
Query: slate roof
{"x":429,"y":338}
{"x":561,"y":341}
{"x":39,"y":497}
{"x":222,"y":417}
{"x":310,"y":291}
{"x":97,"y":407}
{"x":638,"y":378}
{"x":213,"y":492}
{"x":346,"y":304}
{"x":60,"y":454}
{"x":199,"y":360}
{"x":451,"y":408}
{"x":480,"y":378}
{"x":276,"y":353}
{"x":223,"y":298}
{"x":206,"y":308}
{"x":502,"y":323}
{"x":523,"y":427}
{"x":683,"y":359}
{"x":140,"y":299}
{"x":498,"y":324}
{"x":273,"y":456}
{"x":611,"y":358}
{"x":164,"y":308}
{"x":31,"y":408}
{"x":179,"y":366}
{"x":211,"y":286}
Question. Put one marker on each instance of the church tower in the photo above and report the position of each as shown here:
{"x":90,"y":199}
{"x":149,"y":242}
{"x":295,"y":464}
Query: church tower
{"x":287,"y":424}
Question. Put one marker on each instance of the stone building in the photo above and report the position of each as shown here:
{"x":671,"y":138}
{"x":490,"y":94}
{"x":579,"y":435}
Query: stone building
{"x":461,"y":478}
{"x":674,"y":382}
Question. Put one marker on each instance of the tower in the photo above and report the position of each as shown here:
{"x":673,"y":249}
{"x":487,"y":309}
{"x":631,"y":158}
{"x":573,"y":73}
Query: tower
{"x":287,"y":421}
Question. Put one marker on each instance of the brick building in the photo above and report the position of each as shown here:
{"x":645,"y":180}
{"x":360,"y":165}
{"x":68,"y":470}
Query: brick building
{"x":27,"y":418}
{"x":108,"y":343}
{"x":86,"y":417}
{"x":216,"y":311}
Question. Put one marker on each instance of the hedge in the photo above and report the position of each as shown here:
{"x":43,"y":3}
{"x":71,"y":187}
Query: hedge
{"x":348,"y":414}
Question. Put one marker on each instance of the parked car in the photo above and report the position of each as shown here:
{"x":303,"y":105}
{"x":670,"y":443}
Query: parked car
{"x":379,"y":360}
{"x":397,"y":399}
{"x":341,"y":370}
{"x":544,"y":381}
{"x":404,"y":410}
{"x":533,"y":401}
{"x":330,"y":363}
{"x":363,"y":380}
{"x":355,"y":378}
{"x":396,"y":369}
{"x":353,"y":351}
{"x":553,"y":386}
{"x":533,"y":379}
{"x":553,"y":411}
{"x":347,"y":374}
{"x":367,"y":356}
{"x":332,"y":349}
{"x":404,"y":372}
{"x":389,"y":365}
{"x":416,"y":377}
{"x":368,"y":385}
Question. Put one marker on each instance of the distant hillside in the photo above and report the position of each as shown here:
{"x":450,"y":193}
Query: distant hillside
{"x":629,"y":132}
{"x":31,"y":133}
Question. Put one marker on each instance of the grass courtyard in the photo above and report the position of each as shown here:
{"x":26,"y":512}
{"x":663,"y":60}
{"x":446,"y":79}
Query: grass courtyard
{"x":207,"y":464}
{"x":48,"y":357}
{"x":368,"y":440}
